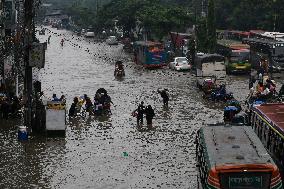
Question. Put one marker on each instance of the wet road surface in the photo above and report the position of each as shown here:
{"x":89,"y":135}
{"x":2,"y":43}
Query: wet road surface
{"x":110,"y":152}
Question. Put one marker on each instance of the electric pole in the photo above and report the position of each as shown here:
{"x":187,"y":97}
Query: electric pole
{"x":28,"y":40}
{"x":2,"y":41}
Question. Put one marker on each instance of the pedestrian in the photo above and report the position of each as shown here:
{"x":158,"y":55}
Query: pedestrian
{"x":63,"y":99}
{"x":165,"y":96}
{"x":140,"y":111}
{"x":73,"y":108}
{"x":149,"y":112}
{"x":89,"y":105}
{"x":62,"y":42}
{"x":54,"y":98}
{"x":252,"y":79}
{"x":48,"y":40}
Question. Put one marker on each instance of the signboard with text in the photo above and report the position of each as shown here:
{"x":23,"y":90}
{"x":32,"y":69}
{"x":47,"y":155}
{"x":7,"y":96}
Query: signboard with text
{"x":37,"y":55}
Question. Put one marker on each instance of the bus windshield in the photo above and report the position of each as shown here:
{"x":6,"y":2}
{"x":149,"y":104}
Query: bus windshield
{"x":239,"y":56}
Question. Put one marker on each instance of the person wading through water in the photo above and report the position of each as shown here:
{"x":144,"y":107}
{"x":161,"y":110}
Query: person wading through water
{"x":164,"y":94}
{"x":149,"y":116}
{"x":140,"y":111}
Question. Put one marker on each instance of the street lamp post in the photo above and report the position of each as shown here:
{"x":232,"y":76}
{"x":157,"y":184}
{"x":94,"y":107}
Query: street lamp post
{"x":2,"y":41}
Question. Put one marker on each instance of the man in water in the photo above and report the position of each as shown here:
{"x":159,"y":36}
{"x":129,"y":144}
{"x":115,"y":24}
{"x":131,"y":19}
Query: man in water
{"x":54,"y":98}
{"x":140,"y":112}
{"x":164,"y":94}
{"x":62,"y":42}
{"x":149,"y":116}
{"x":73,"y":108}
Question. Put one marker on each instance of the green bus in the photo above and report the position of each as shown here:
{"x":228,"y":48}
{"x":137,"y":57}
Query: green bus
{"x":237,"y":56}
{"x":233,"y":157}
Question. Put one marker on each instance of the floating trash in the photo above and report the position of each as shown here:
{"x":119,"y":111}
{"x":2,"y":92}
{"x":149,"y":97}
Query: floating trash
{"x":125,"y":154}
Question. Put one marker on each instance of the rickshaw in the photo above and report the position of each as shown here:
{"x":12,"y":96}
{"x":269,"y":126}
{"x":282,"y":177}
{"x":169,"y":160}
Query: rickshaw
{"x":119,"y":69}
{"x":208,"y":85}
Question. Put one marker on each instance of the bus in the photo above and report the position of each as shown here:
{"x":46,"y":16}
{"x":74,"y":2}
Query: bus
{"x":236,"y":54}
{"x":233,"y":157}
{"x":267,"y":121}
{"x":270,"y":49}
{"x":150,"y":54}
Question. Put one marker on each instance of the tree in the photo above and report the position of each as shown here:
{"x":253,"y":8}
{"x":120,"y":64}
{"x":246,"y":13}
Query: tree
{"x":156,"y":17}
{"x":211,"y":27}
{"x":201,"y":35}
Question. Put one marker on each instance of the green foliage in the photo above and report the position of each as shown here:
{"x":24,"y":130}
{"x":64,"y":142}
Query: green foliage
{"x":250,"y":14}
{"x":156,"y":17}
{"x":201,"y":35}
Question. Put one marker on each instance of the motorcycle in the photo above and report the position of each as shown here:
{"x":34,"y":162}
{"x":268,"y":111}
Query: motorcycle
{"x":217,"y":96}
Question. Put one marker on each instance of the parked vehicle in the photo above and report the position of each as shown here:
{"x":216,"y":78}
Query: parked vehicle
{"x":111,"y":40}
{"x":180,"y":42}
{"x":209,"y":69}
{"x":89,"y":34}
{"x":231,"y":157}
{"x":270,"y":49}
{"x":83,"y":31}
{"x":267,"y":121}
{"x":237,"y":56}
{"x":150,"y":54}
{"x":180,"y":63}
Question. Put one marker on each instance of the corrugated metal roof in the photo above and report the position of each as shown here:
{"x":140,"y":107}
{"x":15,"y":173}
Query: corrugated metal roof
{"x":273,"y":113}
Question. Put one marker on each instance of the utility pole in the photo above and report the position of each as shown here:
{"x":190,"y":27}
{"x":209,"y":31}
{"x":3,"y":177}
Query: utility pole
{"x":2,"y":41}
{"x":28,"y":35}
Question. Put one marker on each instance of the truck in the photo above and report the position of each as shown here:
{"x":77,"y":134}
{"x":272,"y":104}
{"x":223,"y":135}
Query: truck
{"x":210,"y":68}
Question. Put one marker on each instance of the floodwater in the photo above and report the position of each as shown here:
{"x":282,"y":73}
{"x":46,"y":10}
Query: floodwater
{"x":110,"y":152}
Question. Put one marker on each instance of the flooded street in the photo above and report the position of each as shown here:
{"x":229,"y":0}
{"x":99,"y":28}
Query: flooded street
{"x":110,"y":152}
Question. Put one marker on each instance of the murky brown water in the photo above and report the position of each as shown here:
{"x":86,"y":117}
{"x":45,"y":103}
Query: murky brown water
{"x":92,"y":153}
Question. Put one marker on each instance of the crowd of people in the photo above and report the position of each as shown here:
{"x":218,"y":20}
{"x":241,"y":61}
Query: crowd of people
{"x":101,"y":104}
{"x":261,"y":87}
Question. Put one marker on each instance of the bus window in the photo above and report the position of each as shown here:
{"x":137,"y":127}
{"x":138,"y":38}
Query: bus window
{"x":282,"y":152}
{"x":266,"y":132}
{"x":279,"y":147}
